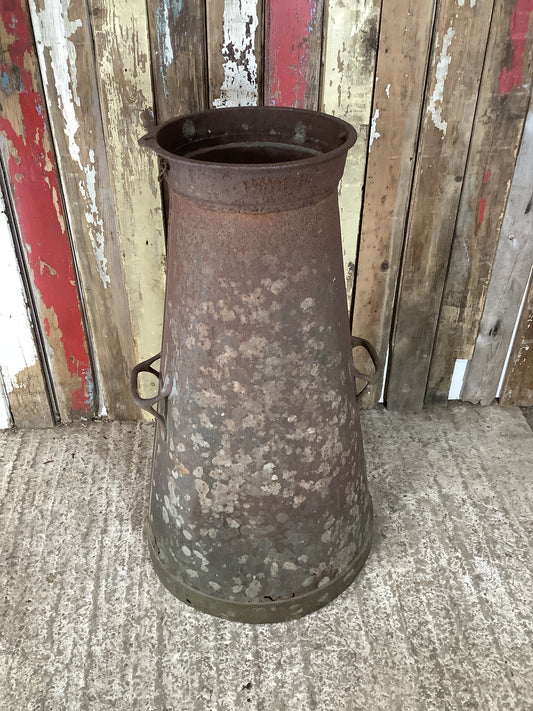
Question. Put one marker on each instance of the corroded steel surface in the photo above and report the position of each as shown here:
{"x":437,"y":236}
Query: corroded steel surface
{"x":259,"y":504}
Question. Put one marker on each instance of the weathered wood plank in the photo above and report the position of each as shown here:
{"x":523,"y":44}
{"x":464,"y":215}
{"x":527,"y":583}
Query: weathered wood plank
{"x":500,"y":114}
{"x":20,"y":368}
{"x":510,"y":274}
{"x":293,"y":43}
{"x":177,"y":40}
{"x":349,"y":55}
{"x":120,"y":31}
{"x":457,"y":60}
{"x":64,"y":45}
{"x":26,"y":148}
{"x":235,"y":52}
{"x":517,"y":387}
{"x":404,"y":44}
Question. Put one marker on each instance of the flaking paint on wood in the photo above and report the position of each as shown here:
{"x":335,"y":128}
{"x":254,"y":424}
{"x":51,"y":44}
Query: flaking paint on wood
{"x":404,"y":45}
{"x":293,"y":42}
{"x":177,"y":32}
{"x":510,"y":274}
{"x":26,"y":148}
{"x":234,"y":44}
{"x":64,"y":44}
{"x":457,"y":60}
{"x":498,"y":126}
{"x":350,"y":45}
{"x":20,"y":369}
{"x":120,"y":31}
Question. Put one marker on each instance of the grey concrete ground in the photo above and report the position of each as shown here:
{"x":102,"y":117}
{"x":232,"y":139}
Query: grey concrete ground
{"x":440,"y":617}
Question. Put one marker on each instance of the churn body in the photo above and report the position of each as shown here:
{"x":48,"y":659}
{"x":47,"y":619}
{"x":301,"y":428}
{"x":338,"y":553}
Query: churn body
{"x":259,"y":505}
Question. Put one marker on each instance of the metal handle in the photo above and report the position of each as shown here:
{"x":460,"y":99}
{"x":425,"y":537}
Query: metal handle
{"x":372,"y":378}
{"x":148,"y":403}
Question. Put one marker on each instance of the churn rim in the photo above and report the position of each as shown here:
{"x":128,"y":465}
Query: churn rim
{"x":150,"y":140}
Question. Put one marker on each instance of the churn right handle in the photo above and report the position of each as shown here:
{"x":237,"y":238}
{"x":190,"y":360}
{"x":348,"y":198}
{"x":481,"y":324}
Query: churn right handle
{"x":148,"y":403}
{"x":372,"y":378}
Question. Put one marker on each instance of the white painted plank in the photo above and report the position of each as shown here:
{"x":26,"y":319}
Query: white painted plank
{"x":19,"y":361}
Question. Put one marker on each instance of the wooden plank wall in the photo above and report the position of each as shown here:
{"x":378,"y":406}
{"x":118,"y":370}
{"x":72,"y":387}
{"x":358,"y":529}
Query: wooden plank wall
{"x":435,"y":200}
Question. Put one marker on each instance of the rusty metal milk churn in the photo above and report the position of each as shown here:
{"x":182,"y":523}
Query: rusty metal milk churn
{"x":259,"y":506}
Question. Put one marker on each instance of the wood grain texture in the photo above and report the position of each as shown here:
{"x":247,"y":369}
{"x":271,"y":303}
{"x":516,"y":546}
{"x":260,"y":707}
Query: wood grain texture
{"x":517,"y":387}
{"x":458,"y":51}
{"x":120,"y":31}
{"x":510,"y":275}
{"x":177,"y":40}
{"x":404,"y":44}
{"x":235,"y":52}
{"x":293,"y":44}
{"x":498,"y":125}
{"x":26,"y":150}
{"x":349,"y":56}
{"x":20,"y":369}
{"x":64,"y":45}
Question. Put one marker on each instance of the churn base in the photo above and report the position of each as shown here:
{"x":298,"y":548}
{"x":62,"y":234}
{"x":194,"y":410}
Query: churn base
{"x":260,"y":613}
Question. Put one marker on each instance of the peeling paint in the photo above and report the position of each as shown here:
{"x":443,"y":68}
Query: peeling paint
{"x":290,"y":67}
{"x":53,"y":32}
{"x":374,"y":134}
{"x":443,"y":65}
{"x":512,"y":77}
{"x":96,"y":226}
{"x":125,"y":85}
{"x":240,"y":23}
{"x":165,"y":10}
{"x":35,"y":193}
{"x":387,"y":91}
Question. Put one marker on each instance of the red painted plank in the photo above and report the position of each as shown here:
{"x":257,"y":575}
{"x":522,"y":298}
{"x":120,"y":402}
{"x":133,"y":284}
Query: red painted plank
{"x":26,"y":146}
{"x":512,"y":75}
{"x":292,"y":52}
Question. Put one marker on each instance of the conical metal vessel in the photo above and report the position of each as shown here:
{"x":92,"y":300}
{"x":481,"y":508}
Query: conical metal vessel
{"x":259,"y":506}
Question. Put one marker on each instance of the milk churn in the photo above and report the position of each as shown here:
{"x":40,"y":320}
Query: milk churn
{"x":259,"y":507}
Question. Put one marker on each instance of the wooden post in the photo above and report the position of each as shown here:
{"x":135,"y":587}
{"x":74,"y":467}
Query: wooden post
{"x":510,"y":274}
{"x":500,"y":114}
{"x":460,"y":40}
{"x":350,"y":44}
{"x":404,"y":43}
{"x":26,"y":148}
{"x":293,"y":43}
{"x":64,"y":45}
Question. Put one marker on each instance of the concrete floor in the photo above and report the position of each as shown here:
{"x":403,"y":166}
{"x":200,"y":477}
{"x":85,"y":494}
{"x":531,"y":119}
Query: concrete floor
{"x":440,"y":617}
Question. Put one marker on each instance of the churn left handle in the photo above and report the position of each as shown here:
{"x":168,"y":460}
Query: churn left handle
{"x":371,"y":378}
{"x":148,"y":403}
